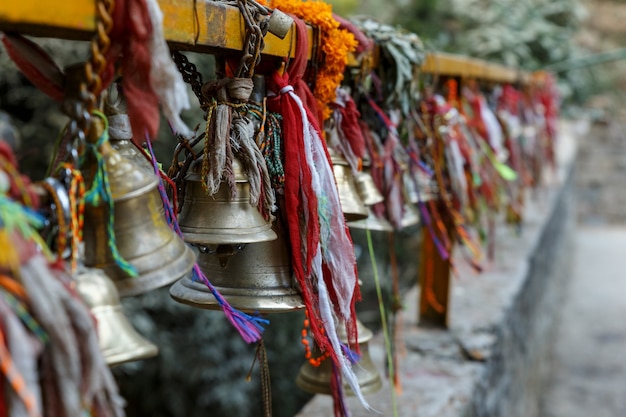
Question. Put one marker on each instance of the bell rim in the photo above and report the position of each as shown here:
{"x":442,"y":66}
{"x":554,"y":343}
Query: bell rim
{"x":154,"y":279}
{"x":140,"y":351}
{"x":372,"y":200}
{"x":354,"y":215}
{"x":229,"y":236}
{"x":372,"y":225}
{"x":205,"y":300}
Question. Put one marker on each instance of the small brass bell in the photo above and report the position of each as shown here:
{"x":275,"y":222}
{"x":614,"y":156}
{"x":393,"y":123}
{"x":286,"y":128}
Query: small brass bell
{"x":351,"y":204}
{"x":372,"y":222}
{"x":317,"y":379}
{"x":220,"y":219}
{"x":409,"y":186}
{"x":143,"y":237}
{"x":410,"y":216}
{"x":367,"y":190}
{"x":422,"y":182}
{"x":118,"y":340}
{"x":256,"y":278}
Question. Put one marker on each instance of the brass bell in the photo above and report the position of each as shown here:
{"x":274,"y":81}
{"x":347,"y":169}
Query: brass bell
{"x":367,"y":190}
{"x":351,"y":204}
{"x":409,"y":186}
{"x":372,"y":222}
{"x":144,"y":238}
{"x":220,"y":219}
{"x":118,"y":340}
{"x":317,"y":379}
{"x":120,"y":130}
{"x":255,"y":278}
{"x":410,"y":216}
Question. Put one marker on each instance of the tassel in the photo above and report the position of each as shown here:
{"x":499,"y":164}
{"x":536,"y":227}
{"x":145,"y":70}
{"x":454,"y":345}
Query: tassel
{"x":229,"y":134}
{"x":35,"y":64}
{"x":346,"y":137}
{"x":321,"y":247}
{"x":100,"y":193}
{"x":165,"y":79}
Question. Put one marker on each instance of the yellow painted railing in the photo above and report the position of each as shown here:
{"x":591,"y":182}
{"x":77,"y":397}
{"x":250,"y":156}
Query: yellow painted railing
{"x":204,"y":26}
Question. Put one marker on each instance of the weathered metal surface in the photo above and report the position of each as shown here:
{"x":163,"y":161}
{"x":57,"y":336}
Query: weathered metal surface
{"x":206,"y":25}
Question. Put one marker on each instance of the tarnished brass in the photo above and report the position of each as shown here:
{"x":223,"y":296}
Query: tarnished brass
{"x":409,"y":186}
{"x":351,"y":203}
{"x":280,"y":23}
{"x":256,"y":278}
{"x":120,"y":130}
{"x":317,"y":379}
{"x":220,"y":219}
{"x":410,"y":215}
{"x":419,"y":181}
{"x":372,"y":222}
{"x":143,"y":237}
{"x":118,"y":340}
{"x":367,"y":189}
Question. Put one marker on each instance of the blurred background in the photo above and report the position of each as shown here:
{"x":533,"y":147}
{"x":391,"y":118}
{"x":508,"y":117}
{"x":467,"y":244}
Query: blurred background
{"x":203,"y":363}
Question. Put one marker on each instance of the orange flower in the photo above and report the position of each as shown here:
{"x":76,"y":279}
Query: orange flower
{"x":336,"y":45}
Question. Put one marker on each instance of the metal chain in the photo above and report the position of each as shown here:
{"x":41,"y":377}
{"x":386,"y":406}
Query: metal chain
{"x":190,"y":74}
{"x":257,"y":25}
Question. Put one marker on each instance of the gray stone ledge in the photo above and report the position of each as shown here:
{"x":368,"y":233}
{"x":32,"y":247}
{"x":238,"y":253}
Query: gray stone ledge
{"x":494,"y":359}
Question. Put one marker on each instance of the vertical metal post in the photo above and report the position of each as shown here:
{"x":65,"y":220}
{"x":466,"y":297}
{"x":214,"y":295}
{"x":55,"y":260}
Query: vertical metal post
{"x":434,"y":279}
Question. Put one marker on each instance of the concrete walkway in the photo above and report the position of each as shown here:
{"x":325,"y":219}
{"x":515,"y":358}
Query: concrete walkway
{"x":589,"y":377}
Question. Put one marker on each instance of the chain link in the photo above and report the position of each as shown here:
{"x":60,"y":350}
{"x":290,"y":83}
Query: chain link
{"x":190,"y":74}
{"x":256,"y":20}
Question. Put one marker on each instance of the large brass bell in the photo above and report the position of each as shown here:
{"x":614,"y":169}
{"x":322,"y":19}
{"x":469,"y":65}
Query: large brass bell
{"x":372,"y":222}
{"x":220,"y":219}
{"x":317,"y":379}
{"x":118,"y":340}
{"x":255,"y":278}
{"x":351,"y":204}
{"x":143,"y":237}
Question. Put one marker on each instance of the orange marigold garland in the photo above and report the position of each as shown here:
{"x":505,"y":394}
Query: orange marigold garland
{"x":336,"y":44}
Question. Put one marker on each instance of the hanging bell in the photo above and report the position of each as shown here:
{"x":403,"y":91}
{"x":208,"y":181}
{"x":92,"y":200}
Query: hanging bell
{"x":118,"y":340}
{"x":220,"y":219}
{"x":409,"y":186}
{"x":255,"y":278}
{"x":366,"y":188}
{"x":143,"y":237}
{"x":351,"y":203}
{"x":372,"y":222}
{"x":120,"y":130}
{"x":317,"y":379}
{"x":410,"y":216}
{"x":420,"y":181}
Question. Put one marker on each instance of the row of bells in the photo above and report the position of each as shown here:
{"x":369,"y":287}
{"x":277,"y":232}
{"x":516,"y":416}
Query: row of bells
{"x":246,"y":257}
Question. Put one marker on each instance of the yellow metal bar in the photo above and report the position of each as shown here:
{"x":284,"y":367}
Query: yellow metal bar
{"x":205,"y":26}
{"x":449,"y":64}
{"x":199,"y":25}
